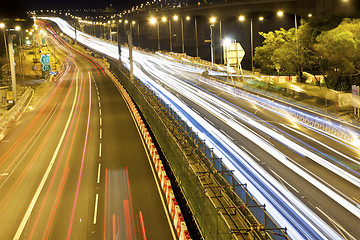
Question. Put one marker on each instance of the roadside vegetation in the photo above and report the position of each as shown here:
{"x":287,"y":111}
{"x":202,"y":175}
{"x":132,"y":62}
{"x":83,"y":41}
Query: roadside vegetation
{"x":330,"y":49}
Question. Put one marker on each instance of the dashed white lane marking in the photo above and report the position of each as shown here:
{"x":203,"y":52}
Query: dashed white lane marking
{"x":99,"y":105}
{"x":100,"y":121}
{"x":96,"y":207}
{"x":47,"y":172}
{"x":98,"y":177}
{"x":100,"y":133}
{"x":100,"y":150}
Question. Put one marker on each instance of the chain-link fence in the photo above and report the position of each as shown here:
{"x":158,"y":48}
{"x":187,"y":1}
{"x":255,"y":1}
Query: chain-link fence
{"x":222,"y":206}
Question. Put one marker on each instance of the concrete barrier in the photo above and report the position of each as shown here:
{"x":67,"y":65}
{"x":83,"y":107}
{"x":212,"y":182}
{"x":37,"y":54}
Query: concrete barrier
{"x":15,"y":111}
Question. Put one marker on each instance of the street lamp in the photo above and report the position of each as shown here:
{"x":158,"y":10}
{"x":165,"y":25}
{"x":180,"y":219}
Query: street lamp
{"x":164,"y":19}
{"x":110,"y":37}
{"x":196,"y":37}
{"x":154,"y":21}
{"x":182,"y":30}
{"x":212,"y":24}
{"x":2,"y":25}
{"x":242,"y":19}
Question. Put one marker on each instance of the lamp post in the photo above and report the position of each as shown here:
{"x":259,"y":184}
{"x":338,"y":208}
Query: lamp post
{"x":242,"y":19}
{"x":212,"y":24}
{"x":182,"y":34}
{"x":12,"y":67}
{"x":2,"y":25}
{"x":110,"y":37}
{"x":280,"y":14}
{"x":130,"y":52}
{"x":154,"y":21}
{"x":196,"y":38}
{"x":164,"y":19}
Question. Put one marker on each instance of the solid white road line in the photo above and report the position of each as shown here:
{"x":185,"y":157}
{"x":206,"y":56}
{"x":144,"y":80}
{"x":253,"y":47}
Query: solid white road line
{"x":43,"y":180}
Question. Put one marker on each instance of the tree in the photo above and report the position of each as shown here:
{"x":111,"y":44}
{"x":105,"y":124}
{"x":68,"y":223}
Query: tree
{"x":339,"y":54}
{"x":273,"y":41}
{"x":287,"y":56}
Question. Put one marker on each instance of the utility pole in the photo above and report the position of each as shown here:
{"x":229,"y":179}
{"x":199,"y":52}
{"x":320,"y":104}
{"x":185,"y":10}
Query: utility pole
{"x":182,"y":35}
{"x":119,"y":42}
{"x":75,"y":34}
{"x":196,"y":38}
{"x":170,"y":35}
{"x":12,"y":67}
{"x":212,"y":43}
{"x":130,"y":52}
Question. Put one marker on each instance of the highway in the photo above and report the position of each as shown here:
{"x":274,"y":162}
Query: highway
{"x":308,"y":179}
{"x":74,"y":165}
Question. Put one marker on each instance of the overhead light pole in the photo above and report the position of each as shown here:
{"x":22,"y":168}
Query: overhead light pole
{"x":212,"y":24}
{"x":2,"y":25}
{"x":242,"y":19}
{"x":154,"y":21}
{"x":196,"y":38}
{"x":163,"y":19}
{"x":12,"y":67}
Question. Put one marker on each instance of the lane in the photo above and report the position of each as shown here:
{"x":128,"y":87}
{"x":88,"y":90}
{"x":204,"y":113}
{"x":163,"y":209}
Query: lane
{"x":280,"y":169}
{"x":72,"y":171}
{"x":319,"y":171}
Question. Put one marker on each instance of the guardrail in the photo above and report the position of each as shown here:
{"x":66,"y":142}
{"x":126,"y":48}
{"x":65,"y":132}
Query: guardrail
{"x":15,"y":111}
{"x":215,"y":205}
{"x":173,"y":206}
{"x":318,"y":123}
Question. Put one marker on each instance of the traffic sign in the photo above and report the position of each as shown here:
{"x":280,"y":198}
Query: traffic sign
{"x":233,"y":54}
{"x":53,"y":72}
{"x":46,"y":68}
{"x":45,"y":59}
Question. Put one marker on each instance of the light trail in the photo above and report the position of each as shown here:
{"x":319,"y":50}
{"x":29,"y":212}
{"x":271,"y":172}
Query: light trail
{"x":288,"y":210}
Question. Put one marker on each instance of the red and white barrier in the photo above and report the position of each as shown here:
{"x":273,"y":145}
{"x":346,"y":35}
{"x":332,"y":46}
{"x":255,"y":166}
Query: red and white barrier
{"x":173,"y":207}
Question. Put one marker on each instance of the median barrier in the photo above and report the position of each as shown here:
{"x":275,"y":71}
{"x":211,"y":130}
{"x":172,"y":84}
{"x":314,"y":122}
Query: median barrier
{"x":164,"y":180}
{"x":306,"y":119}
{"x":15,"y":111}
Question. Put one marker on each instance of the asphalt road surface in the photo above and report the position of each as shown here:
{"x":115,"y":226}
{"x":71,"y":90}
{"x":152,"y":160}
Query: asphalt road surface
{"x":74,"y":165}
{"x":309,"y":180}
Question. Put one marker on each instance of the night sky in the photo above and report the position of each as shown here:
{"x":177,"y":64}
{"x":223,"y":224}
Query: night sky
{"x":71,"y":4}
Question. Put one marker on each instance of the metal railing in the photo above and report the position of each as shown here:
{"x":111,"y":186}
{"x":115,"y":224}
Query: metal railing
{"x":318,"y":123}
{"x":221,"y":205}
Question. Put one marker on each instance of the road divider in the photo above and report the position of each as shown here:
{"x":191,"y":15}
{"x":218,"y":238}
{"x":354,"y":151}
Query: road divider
{"x":173,"y":207}
{"x":15,"y":111}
